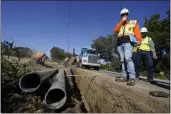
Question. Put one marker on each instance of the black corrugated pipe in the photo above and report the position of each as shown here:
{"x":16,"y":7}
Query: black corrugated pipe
{"x":32,"y":81}
{"x":56,"y":96}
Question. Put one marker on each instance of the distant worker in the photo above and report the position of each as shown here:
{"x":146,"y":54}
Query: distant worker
{"x":134,"y":58}
{"x":125,"y":30}
{"x":146,"y":49}
{"x":78,"y":62}
{"x":40,"y":57}
{"x":66,"y":61}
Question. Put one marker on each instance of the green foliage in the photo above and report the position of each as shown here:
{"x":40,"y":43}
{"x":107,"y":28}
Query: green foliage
{"x":160,"y":76}
{"x":105,"y":46}
{"x":11,"y":71}
{"x":114,"y":66}
{"x":164,"y":63}
{"x":144,"y":73}
{"x":58,"y":54}
{"x":159,"y":31}
{"x":8,"y":49}
{"x":23,"y":52}
{"x":107,"y":67}
{"x":156,"y":75}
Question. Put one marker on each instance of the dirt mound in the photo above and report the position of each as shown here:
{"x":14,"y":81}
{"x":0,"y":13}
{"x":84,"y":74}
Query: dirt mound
{"x":104,"y":95}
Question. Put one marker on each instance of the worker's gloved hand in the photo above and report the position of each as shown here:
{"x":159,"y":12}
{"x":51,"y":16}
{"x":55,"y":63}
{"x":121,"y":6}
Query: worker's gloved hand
{"x":155,"y":57}
{"x":124,"y":18}
{"x":138,"y":43}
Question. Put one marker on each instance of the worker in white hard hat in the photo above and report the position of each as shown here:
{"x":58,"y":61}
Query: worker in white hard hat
{"x":146,"y":49}
{"x":126,"y":30}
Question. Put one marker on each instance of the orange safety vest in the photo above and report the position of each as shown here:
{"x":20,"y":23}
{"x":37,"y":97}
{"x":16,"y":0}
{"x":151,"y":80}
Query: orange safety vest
{"x":39,"y":55}
{"x":129,"y":28}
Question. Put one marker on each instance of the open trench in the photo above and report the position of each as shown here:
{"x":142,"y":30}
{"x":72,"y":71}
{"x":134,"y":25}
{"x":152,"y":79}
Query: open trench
{"x":105,"y":95}
{"x":84,"y":94}
{"x":16,"y":101}
{"x":75,"y":103}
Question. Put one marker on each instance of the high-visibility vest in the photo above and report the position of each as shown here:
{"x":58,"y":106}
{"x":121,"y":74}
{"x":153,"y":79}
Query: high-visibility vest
{"x":135,"y":49}
{"x":145,"y":44}
{"x":40,"y":54}
{"x":129,"y":28}
{"x":78,"y":59}
{"x":35,"y":56}
{"x":66,"y":59}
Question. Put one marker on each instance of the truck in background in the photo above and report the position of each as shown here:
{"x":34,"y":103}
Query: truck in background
{"x":88,"y":58}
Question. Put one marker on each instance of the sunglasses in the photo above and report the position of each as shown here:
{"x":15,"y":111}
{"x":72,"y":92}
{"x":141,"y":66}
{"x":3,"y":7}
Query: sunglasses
{"x":124,"y":14}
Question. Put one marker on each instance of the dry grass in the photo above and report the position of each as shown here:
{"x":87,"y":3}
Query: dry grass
{"x":13,"y":99}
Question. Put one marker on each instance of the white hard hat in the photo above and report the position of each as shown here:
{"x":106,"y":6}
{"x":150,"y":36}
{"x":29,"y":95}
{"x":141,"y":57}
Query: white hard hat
{"x":124,"y":11}
{"x":143,"y":29}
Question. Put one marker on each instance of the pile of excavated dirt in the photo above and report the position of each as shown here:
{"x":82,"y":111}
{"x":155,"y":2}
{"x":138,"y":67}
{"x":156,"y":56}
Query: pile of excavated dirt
{"x":104,"y":95}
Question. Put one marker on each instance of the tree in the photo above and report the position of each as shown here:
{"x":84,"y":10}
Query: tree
{"x":7,"y":48}
{"x":159,"y":31}
{"x":22,"y":52}
{"x":105,"y":46}
{"x":73,"y":52}
{"x":57,"y":53}
{"x":66,"y":54}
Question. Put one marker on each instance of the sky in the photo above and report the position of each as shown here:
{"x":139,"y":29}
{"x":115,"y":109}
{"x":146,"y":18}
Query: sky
{"x":41,"y":25}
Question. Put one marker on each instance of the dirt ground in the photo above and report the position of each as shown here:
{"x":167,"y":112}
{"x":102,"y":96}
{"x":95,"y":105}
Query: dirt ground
{"x":104,"y":95}
{"x":99,"y":93}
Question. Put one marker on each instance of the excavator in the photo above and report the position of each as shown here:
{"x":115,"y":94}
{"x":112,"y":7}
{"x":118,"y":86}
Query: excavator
{"x":40,"y":57}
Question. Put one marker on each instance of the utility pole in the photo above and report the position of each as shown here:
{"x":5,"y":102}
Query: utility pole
{"x":94,"y":35}
{"x":69,"y":25}
{"x":74,"y":52}
{"x":120,"y":5}
{"x":13,"y":43}
{"x":68,"y":47}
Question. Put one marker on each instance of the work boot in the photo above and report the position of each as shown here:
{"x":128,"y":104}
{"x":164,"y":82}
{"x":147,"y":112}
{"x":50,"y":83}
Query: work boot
{"x":131,"y":82}
{"x":137,"y":78}
{"x":150,"y":79}
{"x":120,"y":79}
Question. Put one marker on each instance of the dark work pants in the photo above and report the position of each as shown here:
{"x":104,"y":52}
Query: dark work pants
{"x":149,"y":62}
{"x":134,"y":58}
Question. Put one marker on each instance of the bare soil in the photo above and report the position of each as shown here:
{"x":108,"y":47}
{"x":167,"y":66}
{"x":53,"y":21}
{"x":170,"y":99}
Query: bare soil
{"x":104,"y":95}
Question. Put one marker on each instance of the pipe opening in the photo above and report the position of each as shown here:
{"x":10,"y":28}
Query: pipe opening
{"x":55,"y":95}
{"x":30,"y":81}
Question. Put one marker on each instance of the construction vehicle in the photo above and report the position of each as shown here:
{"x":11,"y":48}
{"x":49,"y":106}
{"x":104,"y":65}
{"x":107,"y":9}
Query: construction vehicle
{"x":88,"y":58}
{"x":40,"y":57}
